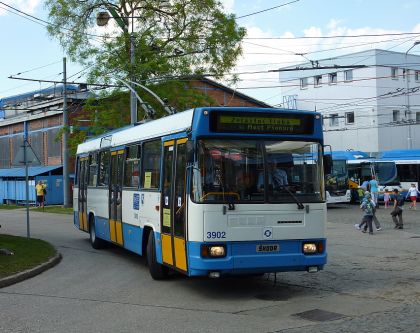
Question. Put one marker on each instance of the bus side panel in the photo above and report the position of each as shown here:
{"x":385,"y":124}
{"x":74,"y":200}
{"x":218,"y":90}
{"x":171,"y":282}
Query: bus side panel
{"x":97,"y":202}
{"x":132,"y":236}
{"x":102,"y":228}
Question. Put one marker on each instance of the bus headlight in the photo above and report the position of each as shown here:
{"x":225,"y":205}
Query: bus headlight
{"x":213,"y":251}
{"x":309,"y":248}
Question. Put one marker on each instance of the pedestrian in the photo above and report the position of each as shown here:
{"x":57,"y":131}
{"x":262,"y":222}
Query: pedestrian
{"x":40,"y":193}
{"x":368,"y":207}
{"x":386,"y":199}
{"x":413,"y":192}
{"x":397,"y":209}
{"x":374,"y":217}
{"x":373,"y":184}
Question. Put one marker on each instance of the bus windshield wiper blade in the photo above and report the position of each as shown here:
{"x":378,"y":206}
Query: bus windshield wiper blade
{"x":298,"y":203}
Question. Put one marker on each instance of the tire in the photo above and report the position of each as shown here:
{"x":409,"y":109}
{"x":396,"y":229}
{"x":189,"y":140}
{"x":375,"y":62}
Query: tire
{"x":157,"y":271}
{"x":96,"y":242}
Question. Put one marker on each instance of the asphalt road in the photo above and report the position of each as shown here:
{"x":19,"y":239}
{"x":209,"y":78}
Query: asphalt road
{"x":371,"y":284}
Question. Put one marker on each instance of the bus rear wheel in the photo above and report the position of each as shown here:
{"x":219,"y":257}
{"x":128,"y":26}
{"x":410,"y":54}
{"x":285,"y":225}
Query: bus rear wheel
{"x":96,"y":242}
{"x":157,"y":271}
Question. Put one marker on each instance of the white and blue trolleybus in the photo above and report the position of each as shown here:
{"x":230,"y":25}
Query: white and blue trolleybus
{"x":209,"y":192}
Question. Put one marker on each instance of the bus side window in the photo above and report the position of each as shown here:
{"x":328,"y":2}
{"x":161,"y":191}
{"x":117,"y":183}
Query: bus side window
{"x":93,"y":169}
{"x":131,"y":168}
{"x":103,"y":168}
{"x":150,"y":169}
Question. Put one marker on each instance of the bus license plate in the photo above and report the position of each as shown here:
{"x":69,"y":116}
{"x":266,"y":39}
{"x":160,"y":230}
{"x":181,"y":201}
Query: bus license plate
{"x":268,"y":248}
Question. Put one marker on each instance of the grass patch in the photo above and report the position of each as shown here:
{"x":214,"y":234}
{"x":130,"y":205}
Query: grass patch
{"x":54,"y":209}
{"x":27,"y":253}
{"x":11,"y":206}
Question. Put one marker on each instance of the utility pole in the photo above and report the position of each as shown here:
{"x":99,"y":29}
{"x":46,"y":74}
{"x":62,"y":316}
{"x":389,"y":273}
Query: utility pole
{"x":25,"y":160}
{"x":66,"y":182}
{"x":409,"y":138}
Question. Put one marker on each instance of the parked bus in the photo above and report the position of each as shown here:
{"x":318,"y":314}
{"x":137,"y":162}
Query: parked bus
{"x":408,"y":166}
{"x":337,"y":182}
{"x":362,"y":167}
{"x":194,"y":191}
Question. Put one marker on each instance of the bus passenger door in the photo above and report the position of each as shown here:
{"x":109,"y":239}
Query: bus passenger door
{"x":82,"y":195}
{"x":173,"y":213}
{"x":115,"y":197}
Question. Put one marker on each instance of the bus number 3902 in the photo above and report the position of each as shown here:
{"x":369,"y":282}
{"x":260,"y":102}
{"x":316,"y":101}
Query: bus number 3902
{"x":216,"y":234}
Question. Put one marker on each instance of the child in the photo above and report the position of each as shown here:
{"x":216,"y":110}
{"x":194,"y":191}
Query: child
{"x":368,"y":207}
{"x":386,"y":199}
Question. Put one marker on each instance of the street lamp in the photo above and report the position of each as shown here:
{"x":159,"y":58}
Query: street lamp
{"x":409,"y":138}
{"x":102,"y":19}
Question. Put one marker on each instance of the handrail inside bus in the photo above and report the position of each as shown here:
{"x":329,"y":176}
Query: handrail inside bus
{"x":221,"y":193}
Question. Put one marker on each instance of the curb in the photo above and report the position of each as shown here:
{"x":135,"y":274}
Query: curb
{"x":9,"y":280}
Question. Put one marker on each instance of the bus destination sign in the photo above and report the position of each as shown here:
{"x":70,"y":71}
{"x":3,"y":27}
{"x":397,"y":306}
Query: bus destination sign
{"x":258,"y":123}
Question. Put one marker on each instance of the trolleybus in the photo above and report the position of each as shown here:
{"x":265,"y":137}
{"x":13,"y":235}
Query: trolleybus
{"x":196,"y":191}
{"x":408,"y":166}
{"x":337,"y":182}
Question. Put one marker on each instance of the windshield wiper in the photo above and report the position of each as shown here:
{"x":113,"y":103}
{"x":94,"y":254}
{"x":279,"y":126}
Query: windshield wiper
{"x":298,"y":203}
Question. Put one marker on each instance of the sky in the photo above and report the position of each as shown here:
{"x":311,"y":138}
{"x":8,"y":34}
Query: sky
{"x":274,"y":38}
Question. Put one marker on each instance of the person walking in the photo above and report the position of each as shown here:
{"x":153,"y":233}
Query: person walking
{"x":40,"y":193}
{"x":368,"y":207}
{"x":413,"y":192}
{"x":374,"y":190}
{"x":397,"y":210}
{"x":359,"y":226}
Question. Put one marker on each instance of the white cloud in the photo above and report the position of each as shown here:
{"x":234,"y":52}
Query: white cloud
{"x":28,"y":6}
{"x":228,"y":5}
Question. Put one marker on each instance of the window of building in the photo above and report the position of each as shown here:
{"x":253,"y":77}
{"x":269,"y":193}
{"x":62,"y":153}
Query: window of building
{"x":303,"y":83}
{"x":132,"y":164}
{"x":150,"y":170}
{"x":394,"y":72}
{"x":349,"y":117}
{"x":103,"y":179}
{"x":334,"y":119}
{"x":395,"y":115}
{"x":417,"y":117}
{"x":317,"y":80}
{"x":417,"y":76}
{"x":93,"y":169}
{"x":348,"y":75}
{"x":332,"y":78}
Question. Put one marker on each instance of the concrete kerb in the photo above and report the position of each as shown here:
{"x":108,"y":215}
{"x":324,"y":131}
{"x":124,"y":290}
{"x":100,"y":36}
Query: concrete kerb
{"x":9,"y":280}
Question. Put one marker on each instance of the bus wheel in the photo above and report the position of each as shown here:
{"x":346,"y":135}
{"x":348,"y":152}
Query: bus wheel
{"x":157,"y":271}
{"x":96,"y":242}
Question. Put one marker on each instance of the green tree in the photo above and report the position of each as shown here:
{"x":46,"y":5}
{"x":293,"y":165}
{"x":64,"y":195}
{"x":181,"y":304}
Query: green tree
{"x":171,"y":38}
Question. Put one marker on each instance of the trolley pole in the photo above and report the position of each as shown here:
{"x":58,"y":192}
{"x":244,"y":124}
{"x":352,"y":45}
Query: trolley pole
{"x":66,"y":182}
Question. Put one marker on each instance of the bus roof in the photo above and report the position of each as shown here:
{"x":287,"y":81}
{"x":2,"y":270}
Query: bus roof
{"x":348,"y":155}
{"x":401,"y":154}
{"x":181,"y":122}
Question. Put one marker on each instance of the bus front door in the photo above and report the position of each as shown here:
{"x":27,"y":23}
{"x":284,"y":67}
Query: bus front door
{"x":115,"y":197}
{"x":82,"y":193}
{"x":173,"y":203}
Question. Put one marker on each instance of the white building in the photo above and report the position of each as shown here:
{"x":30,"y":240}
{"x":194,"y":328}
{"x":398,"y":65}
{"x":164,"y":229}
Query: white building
{"x":366,"y":107}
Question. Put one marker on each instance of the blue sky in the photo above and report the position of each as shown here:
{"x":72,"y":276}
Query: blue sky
{"x":26,"y":45}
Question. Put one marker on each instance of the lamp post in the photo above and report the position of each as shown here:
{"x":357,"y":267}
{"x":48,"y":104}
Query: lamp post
{"x":102,"y":19}
{"x":409,"y":138}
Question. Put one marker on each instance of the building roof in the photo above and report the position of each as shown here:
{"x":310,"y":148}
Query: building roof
{"x":32,"y":171}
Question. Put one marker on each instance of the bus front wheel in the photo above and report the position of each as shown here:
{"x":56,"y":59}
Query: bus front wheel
{"x":96,"y":242}
{"x":157,"y":271}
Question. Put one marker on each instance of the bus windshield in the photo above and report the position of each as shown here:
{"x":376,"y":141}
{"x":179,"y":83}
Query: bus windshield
{"x":386,"y":173}
{"x":338,"y":179}
{"x":231,"y":171}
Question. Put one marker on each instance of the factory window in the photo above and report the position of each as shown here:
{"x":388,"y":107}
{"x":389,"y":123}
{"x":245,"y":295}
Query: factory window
{"x":394,"y":72}
{"x":334,"y":120}
{"x":349,"y":117}
{"x":332,"y":78}
{"x":303,"y":83}
{"x":395,"y":115}
{"x":317,"y":80}
{"x":348,"y":75}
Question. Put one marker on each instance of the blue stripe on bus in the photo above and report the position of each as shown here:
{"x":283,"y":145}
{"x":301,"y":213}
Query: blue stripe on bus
{"x":102,"y":228}
{"x":242,"y":258}
{"x":132,"y":236}
{"x":76,"y":219}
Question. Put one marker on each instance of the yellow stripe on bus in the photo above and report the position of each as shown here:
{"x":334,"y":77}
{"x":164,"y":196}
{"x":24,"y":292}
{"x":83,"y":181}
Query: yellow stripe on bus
{"x":181,"y":141}
{"x":112,"y":230}
{"x":119,"y":233}
{"x":180,"y":255}
{"x":169,"y":143}
{"x":120,"y":152}
{"x":167,"y":249}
